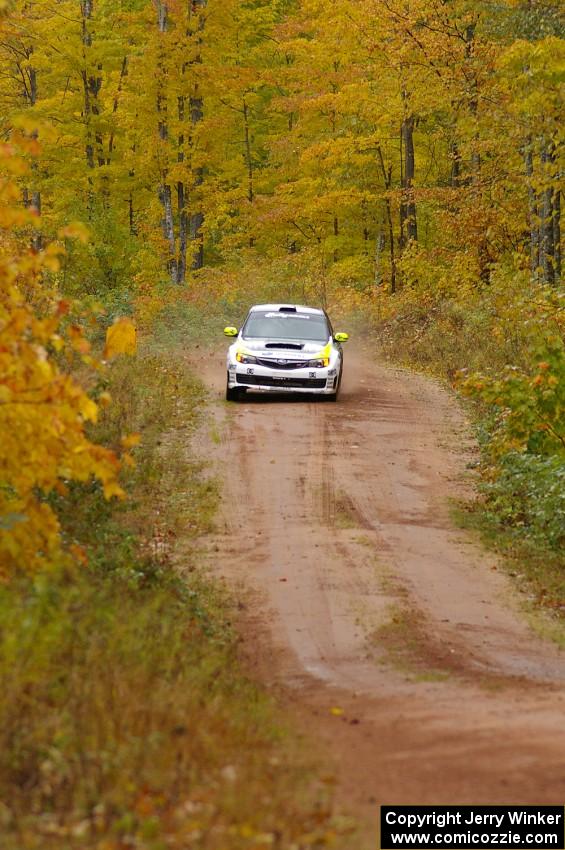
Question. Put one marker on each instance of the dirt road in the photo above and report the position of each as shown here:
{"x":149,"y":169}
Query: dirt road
{"x":362,"y":595}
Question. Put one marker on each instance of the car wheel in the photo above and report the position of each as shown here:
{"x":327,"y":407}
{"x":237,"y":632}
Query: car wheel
{"x":232,"y":393}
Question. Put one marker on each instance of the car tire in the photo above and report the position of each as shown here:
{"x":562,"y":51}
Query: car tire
{"x":232,"y":393}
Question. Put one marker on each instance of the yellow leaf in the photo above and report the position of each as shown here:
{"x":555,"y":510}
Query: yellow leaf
{"x":57,"y":342}
{"x":131,"y":440}
{"x":121,"y":338}
{"x":112,"y":489}
{"x":51,"y":263}
{"x":75,"y":230}
{"x":88,"y":409}
{"x":337,"y":712}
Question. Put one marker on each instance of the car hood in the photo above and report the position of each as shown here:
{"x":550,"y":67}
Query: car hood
{"x":284,"y":347}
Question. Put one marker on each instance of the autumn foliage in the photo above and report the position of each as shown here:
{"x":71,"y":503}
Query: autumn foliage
{"x":377,"y":143}
{"x":43,"y":409}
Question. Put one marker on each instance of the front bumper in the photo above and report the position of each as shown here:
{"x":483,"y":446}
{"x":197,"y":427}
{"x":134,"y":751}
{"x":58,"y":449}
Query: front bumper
{"x":262,"y":379}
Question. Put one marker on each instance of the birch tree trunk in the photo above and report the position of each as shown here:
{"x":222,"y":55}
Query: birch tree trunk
{"x":387,"y":180}
{"x":181,"y":197}
{"x":379,"y":248}
{"x":35,"y":198}
{"x":483,"y":254}
{"x":533,"y":215}
{"x":165,"y":192}
{"x":86,"y":14}
{"x":92,"y":83}
{"x":248,"y":159}
{"x":196,"y":217}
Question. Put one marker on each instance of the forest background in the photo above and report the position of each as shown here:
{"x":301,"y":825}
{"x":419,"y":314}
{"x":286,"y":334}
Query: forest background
{"x":399,"y":162}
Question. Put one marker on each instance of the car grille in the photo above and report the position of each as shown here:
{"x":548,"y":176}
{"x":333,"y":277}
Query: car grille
{"x":288,"y":364}
{"x":269,"y":381}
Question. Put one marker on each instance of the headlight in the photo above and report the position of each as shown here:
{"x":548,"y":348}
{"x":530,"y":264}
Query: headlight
{"x":322,"y":363}
{"x":245,"y":358}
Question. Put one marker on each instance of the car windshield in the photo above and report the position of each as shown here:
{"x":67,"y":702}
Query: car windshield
{"x":272,"y":325}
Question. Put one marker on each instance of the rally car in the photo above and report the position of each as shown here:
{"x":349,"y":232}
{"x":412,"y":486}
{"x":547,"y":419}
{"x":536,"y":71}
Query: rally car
{"x":285,"y":348}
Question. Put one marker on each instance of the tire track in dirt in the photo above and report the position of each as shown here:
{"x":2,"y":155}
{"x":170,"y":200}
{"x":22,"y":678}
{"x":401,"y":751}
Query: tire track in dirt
{"x":335,"y":524}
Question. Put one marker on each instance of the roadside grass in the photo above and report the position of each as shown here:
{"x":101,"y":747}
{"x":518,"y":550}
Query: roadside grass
{"x":126,"y":723}
{"x":125,"y":720}
{"x":185,"y":323}
{"x":168,"y":494}
{"x":536,"y":569}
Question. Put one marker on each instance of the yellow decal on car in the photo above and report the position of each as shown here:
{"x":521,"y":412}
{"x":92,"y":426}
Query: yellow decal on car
{"x":325,"y":352}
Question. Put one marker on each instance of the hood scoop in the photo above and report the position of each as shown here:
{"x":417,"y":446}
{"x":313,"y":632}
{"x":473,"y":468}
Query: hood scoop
{"x":294,"y":346}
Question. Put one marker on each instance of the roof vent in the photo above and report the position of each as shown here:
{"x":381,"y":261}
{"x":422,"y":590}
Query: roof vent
{"x":287,"y":309}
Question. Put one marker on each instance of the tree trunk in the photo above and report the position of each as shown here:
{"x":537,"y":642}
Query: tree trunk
{"x":408,"y":223}
{"x":168,"y":225}
{"x":474,"y":98}
{"x":557,"y":234}
{"x":336,"y":234}
{"x":89,"y":146}
{"x":533,"y":218}
{"x":181,"y":201}
{"x":248,"y":159}
{"x":183,"y":233}
{"x":391,"y":247}
{"x":162,"y":23}
{"x":92,"y":84}
{"x":379,"y":248}
{"x":165,"y":191}
{"x":455,"y":179}
{"x":387,"y":180}
{"x":34,"y":202}
{"x":547,"y":244}
{"x":131,"y":215}
{"x":86,"y":14}
{"x":123,"y":75}
{"x":196,"y":217}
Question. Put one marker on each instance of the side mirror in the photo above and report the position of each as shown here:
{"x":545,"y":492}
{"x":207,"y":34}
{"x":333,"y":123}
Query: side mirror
{"x":341,"y":337}
{"x":231,"y":331}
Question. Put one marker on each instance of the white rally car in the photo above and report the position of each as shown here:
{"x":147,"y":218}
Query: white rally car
{"x":285,"y":348}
